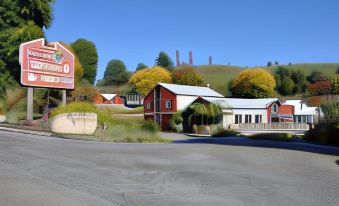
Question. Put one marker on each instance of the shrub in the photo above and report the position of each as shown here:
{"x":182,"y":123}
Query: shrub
{"x":273,"y":136}
{"x":324,"y":133}
{"x":222,"y":132}
{"x":150,"y":126}
{"x":175,"y":122}
{"x":103,"y":115}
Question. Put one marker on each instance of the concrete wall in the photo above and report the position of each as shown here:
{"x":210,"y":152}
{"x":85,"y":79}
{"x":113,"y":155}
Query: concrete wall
{"x":74,"y":123}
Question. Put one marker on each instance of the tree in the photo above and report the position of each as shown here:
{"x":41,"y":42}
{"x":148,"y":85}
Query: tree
{"x":285,"y":84}
{"x":254,"y":83}
{"x":320,"y":88}
{"x":335,"y":84}
{"x":116,"y":73}
{"x":141,"y":66}
{"x":84,"y":91}
{"x":299,"y":79}
{"x":88,"y":56}
{"x":143,"y":81}
{"x":186,"y":75}
{"x":269,"y":63}
{"x":39,"y":11}
{"x":276,"y":63}
{"x":20,"y":21}
{"x":78,"y":69}
{"x":165,"y":61}
{"x":316,"y":76}
{"x":337,"y":71}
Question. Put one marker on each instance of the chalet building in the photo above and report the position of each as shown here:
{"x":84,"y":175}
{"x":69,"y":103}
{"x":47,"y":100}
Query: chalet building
{"x":166,"y":99}
{"x":303,"y":113}
{"x":237,"y":111}
{"x":107,"y":99}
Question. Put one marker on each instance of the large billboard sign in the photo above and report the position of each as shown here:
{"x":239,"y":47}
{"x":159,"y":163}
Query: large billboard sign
{"x":49,"y":66}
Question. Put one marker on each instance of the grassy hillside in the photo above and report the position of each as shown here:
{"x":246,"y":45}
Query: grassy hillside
{"x":112,"y":89}
{"x":219,"y":76}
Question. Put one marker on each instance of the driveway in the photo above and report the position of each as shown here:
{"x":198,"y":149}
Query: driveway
{"x":36,"y":170}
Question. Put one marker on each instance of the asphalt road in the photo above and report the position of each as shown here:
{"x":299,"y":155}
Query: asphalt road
{"x":43,"y":171}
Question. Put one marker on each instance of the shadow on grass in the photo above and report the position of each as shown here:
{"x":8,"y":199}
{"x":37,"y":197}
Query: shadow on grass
{"x":298,"y":145}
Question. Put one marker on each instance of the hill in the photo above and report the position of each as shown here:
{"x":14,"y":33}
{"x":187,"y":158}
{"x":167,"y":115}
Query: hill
{"x":219,"y":76}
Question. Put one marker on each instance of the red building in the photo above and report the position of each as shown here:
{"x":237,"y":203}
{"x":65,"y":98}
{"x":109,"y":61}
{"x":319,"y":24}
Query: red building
{"x":107,"y":99}
{"x":166,"y":99}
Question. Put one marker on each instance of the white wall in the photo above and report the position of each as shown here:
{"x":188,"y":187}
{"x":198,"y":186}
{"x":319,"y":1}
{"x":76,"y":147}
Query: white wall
{"x":228,"y":117}
{"x":183,"y":101}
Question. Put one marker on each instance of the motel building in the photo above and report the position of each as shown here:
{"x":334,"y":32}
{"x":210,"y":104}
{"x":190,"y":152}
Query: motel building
{"x":239,"y":114}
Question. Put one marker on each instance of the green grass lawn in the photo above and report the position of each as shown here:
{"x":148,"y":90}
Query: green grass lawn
{"x":137,"y":110}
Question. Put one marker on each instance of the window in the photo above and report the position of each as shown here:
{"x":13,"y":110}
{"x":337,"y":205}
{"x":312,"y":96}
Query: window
{"x":148,"y":106}
{"x":258,"y":118}
{"x":238,"y":118}
{"x":168,"y":104}
{"x":248,"y":118}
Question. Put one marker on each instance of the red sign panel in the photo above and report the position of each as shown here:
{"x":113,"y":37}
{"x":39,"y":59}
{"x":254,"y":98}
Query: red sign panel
{"x":46,"y":66}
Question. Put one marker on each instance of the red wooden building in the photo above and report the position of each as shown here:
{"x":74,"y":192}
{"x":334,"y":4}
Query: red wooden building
{"x":166,"y":99}
{"x":107,"y":99}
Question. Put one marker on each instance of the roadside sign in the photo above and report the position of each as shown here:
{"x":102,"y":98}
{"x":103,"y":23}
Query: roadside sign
{"x":49,"y":66}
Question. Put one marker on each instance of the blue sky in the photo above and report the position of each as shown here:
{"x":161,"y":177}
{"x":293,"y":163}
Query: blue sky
{"x":242,"y":32}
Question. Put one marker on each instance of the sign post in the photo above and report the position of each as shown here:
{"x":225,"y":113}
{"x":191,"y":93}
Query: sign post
{"x":50,"y":66}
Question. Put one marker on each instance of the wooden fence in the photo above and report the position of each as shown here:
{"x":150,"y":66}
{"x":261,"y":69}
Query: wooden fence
{"x":274,"y":126}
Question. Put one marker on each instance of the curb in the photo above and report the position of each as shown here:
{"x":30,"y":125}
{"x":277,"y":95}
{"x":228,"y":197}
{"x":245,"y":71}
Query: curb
{"x":24,"y":131}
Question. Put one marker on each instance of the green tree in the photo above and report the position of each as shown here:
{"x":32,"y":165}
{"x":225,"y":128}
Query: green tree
{"x":316,"y":76}
{"x":337,"y":71}
{"x":285,"y":83}
{"x":186,"y":75}
{"x":116,"y":73}
{"x":299,"y":79}
{"x":141,"y":66}
{"x":39,"y":11}
{"x":20,"y":21}
{"x":254,"y":83}
{"x":165,"y":61}
{"x":88,"y":56}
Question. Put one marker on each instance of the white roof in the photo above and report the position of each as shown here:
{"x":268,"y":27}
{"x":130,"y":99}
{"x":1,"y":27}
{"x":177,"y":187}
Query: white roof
{"x":191,"y":90}
{"x":238,"y":103}
{"x":109,"y":96}
{"x":304,"y":110}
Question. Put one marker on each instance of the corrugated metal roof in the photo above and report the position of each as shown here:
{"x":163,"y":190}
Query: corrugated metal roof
{"x":191,"y":90}
{"x":237,"y":103}
{"x":109,"y":97}
{"x":305,"y":110}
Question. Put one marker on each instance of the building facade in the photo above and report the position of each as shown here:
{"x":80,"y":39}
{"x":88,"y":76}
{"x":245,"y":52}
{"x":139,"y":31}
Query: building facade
{"x":107,"y":99}
{"x":166,"y":99}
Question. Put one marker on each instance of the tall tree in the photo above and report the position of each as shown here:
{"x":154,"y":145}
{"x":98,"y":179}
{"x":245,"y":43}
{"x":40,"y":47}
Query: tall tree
{"x":20,"y":21}
{"x":141,"y":66}
{"x":39,"y":11}
{"x":284,"y":81}
{"x":254,"y":83}
{"x":299,"y":79}
{"x":88,"y":56}
{"x":165,"y":61}
{"x":116,"y":73}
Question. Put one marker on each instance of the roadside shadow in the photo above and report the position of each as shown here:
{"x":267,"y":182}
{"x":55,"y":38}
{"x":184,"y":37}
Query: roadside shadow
{"x":337,"y":162}
{"x":298,"y":145}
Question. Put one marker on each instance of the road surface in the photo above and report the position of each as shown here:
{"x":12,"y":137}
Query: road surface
{"x":43,"y":171}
